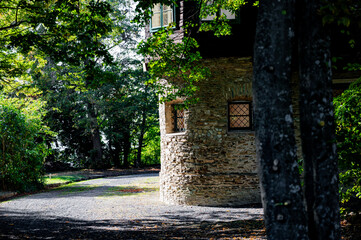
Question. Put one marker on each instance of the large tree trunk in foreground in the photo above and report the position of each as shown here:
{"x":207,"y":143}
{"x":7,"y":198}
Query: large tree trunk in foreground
{"x":282,"y":198}
{"x":317,"y":125}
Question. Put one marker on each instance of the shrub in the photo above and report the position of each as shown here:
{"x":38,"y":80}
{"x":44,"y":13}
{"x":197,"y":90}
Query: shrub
{"x":22,"y":145}
{"x":348,"y":133}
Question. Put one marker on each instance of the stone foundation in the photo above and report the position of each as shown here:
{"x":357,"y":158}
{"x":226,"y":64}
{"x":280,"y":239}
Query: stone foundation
{"x":208,"y":164}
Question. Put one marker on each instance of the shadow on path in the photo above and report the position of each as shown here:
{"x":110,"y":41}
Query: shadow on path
{"x":17,"y":225}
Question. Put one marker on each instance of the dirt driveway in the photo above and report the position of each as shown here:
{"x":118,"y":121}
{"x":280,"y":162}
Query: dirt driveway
{"x":122,"y":207}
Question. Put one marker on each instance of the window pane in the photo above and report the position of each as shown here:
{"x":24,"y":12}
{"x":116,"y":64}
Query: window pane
{"x":180,"y":113}
{"x":180,"y":124}
{"x":166,"y":8}
{"x":240,"y":115}
{"x":156,"y":20}
{"x":178,"y":118}
{"x":156,"y":8}
{"x":167,"y":16}
{"x":240,"y":122}
{"x":239,"y":109}
{"x":156,"y":16}
{"x":228,"y":14}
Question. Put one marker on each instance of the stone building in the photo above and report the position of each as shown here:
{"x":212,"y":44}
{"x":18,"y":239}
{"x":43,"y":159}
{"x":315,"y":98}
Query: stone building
{"x":208,"y":154}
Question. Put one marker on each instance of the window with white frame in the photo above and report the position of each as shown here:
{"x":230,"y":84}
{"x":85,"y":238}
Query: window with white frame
{"x":163,"y":16}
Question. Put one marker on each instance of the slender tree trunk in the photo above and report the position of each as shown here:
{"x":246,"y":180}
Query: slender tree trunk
{"x":138,"y":161}
{"x":317,"y":125}
{"x":281,"y":191}
{"x":116,"y":154}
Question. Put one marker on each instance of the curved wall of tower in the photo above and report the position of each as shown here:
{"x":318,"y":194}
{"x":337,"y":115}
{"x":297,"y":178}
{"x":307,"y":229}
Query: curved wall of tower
{"x":208,"y":164}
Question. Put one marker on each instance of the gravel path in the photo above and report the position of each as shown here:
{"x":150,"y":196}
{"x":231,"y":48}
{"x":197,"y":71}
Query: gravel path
{"x":123,"y":207}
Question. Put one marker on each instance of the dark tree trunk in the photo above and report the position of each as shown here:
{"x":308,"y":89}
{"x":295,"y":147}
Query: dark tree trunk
{"x":115,"y":152}
{"x":96,"y":153}
{"x":97,"y":149}
{"x":138,"y":161}
{"x":317,"y":125}
{"x":282,"y":198}
{"x":126,"y":150}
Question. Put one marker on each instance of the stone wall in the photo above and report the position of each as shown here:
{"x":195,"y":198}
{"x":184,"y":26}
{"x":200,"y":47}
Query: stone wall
{"x":208,"y":164}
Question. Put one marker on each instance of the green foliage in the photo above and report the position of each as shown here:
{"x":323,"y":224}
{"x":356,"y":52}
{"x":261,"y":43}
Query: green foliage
{"x":220,"y":24}
{"x":344,"y":17}
{"x":342,"y":13}
{"x":151,"y":145}
{"x":144,"y":9}
{"x":120,"y":102}
{"x":72,"y":33}
{"x":180,"y":62}
{"x":22,"y":140}
{"x":151,"y":151}
{"x":350,"y":180}
{"x":175,"y":61}
{"x":129,"y":109}
{"x":80,"y":80}
{"x":348,"y":131}
{"x":353,"y":67}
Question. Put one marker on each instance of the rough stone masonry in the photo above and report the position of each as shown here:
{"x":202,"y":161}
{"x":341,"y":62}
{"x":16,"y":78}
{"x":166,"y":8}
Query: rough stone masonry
{"x":208,"y":164}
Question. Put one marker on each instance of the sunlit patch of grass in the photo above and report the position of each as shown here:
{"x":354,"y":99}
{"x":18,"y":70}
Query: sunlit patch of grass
{"x":128,"y":190}
{"x":149,"y":182}
{"x":62,"y":179}
{"x":75,"y":188}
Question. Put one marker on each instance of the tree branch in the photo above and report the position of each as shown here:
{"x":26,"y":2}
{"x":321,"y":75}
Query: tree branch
{"x":13,"y":25}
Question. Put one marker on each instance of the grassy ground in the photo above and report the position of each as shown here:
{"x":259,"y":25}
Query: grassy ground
{"x":61,"y":178}
{"x":51,"y":179}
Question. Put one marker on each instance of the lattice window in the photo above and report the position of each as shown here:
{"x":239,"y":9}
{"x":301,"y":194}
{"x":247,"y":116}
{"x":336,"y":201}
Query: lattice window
{"x":178,"y":118}
{"x":240,"y":116}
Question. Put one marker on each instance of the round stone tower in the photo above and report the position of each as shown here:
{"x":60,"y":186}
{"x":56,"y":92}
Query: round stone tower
{"x":208,"y":154}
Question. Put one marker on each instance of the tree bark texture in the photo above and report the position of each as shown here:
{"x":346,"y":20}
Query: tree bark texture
{"x":317,"y":125}
{"x":281,"y":191}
